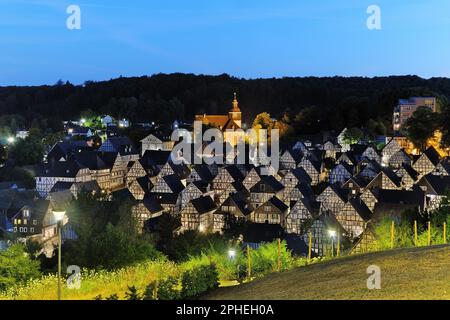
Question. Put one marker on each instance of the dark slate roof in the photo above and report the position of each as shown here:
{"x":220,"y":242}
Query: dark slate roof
{"x":244,"y":206}
{"x":204,"y":204}
{"x":145,"y":183}
{"x":119,"y":144}
{"x":349,"y":154}
{"x":440,"y":184}
{"x":361,"y":208}
{"x":155,"y":157}
{"x":277,"y":203}
{"x":122,"y":195}
{"x":305,"y":189}
{"x":29,"y":199}
{"x":174,"y":183}
{"x":415,"y":197}
{"x":152,"y":203}
{"x":181,"y":170}
{"x":262,"y":232}
{"x":296,"y":154}
{"x":61,"y":186}
{"x":166,"y":198}
{"x":66,"y":148}
{"x":340,"y":192}
{"x":61,"y":169}
{"x":235,"y":173}
{"x":433,"y":155}
{"x":410,"y":170}
{"x":392,"y":176}
{"x":91,"y":160}
{"x":446,"y":165}
{"x":201,"y":185}
{"x":271,"y":184}
{"x":203,"y":171}
{"x":361,"y":181}
{"x":301,"y":175}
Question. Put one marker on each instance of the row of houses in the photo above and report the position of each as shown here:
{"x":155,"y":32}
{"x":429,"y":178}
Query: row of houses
{"x":320,"y":186}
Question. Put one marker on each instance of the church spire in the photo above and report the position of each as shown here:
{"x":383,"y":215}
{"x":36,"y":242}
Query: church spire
{"x":235,"y":104}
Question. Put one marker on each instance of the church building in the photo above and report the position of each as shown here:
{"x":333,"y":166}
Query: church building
{"x":232,"y":121}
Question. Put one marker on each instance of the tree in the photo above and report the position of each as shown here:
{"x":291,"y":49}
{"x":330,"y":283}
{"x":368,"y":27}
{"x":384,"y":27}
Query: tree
{"x":16,"y":267}
{"x":352,"y":135}
{"x":108,"y":234}
{"x":421,"y":127}
{"x":28,"y":151}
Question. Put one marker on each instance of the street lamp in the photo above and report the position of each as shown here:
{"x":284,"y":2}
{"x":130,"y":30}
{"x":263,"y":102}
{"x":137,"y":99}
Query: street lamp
{"x":10,"y":140}
{"x":231,"y":253}
{"x":201,"y":228}
{"x":332,"y":234}
{"x":59,"y":217}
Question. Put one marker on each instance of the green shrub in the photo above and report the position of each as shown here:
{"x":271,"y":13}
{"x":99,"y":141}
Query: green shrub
{"x":16,"y":267}
{"x":133,"y":294}
{"x":168,"y":289}
{"x":199,"y":280}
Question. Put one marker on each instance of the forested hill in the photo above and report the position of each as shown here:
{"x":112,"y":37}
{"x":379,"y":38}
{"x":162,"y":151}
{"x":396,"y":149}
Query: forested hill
{"x":335,"y":101}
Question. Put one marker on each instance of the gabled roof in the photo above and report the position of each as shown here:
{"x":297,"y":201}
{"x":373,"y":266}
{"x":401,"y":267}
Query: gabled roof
{"x":296,"y":154}
{"x":410,"y":171}
{"x":174,"y":183}
{"x":152,"y":203}
{"x":440,"y":184}
{"x":204,"y":204}
{"x":402,"y":197}
{"x":432,"y":155}
{"x":361,"y":208}
{"x":66,"y":169}
{"x":203,"y":172}
{"x":234,"y":172}
{"x":200,"y":185}
{"x":301,"y":175}
{"x":165,"y":198}
{"x":91,"y":160}
{"x":61,"y":186}
{"x":240,"y":202}
{"x":145,"y":183}
{"x":445,"y":163}
{"x":181,"y":170}
{"x":277,"y":203}
{"x":155,"y":157}
{"x":271,"y":185}
{"x":392,"y":176}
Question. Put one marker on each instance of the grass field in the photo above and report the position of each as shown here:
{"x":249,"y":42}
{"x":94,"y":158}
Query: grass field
{"x":413,"y":273}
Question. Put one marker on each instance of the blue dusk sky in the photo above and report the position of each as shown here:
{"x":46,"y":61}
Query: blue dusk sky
{"x":244,"y":38}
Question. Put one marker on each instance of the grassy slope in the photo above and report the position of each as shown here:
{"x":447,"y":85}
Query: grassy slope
{"x":415,"y":273}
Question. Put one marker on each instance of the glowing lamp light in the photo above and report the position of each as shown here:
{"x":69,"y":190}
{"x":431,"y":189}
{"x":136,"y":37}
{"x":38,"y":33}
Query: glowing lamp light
{"x":59,"y":215}
{"x":332,"y":233}
{"x":231,"y":253}
{"x":10,"y":140}
{"x":201,"y":228}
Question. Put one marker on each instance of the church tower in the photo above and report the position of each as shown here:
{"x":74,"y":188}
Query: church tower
{"x":235,"y":113}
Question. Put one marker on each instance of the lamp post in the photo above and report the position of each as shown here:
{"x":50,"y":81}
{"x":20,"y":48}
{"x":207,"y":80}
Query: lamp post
{"x":332,"y":234}
{"x":59,"y":217}
{"x":231,"y":253}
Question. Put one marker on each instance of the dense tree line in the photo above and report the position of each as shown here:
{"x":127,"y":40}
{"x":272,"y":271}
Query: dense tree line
{"x":324,"y":103}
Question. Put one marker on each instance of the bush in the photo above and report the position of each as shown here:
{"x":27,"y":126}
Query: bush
{"x":265,"y":258}
{"x":16,"y":267}
{"x":133,"y":294}
{"x":198,"y":281}
{"x":168,"y":289}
